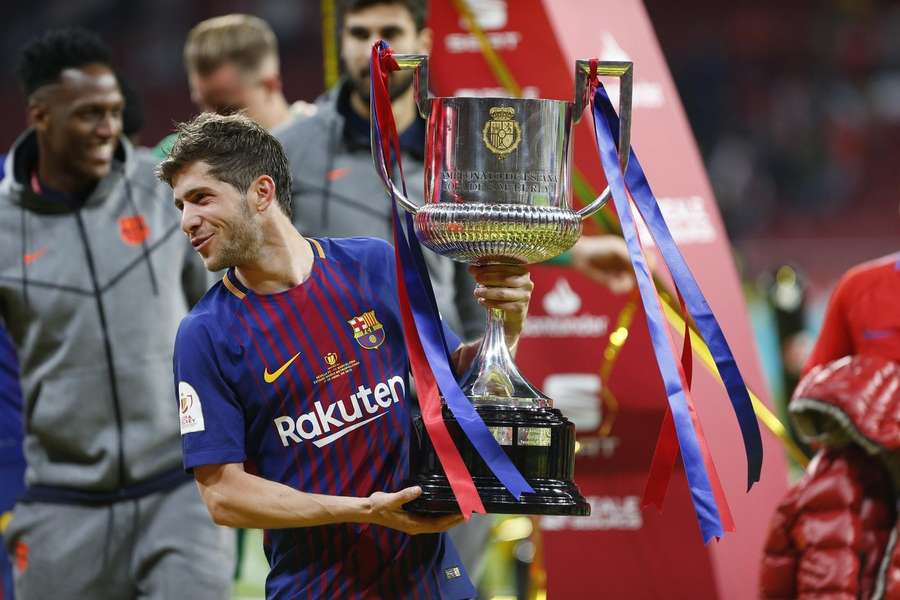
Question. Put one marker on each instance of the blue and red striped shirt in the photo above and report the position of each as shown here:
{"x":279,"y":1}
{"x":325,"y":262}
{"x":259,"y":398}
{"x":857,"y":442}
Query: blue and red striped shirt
{"x":308,"y":388}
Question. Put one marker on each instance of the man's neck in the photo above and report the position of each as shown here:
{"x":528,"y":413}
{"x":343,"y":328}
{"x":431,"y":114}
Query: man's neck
{"x":275,"y":112}
{"x":284,"y":262}
{"x":57,"y":179}
{"x":404,"y":108}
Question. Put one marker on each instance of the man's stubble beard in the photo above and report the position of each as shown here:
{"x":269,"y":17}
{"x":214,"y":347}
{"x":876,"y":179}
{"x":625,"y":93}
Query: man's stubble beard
{"x":243,"y":245}
{"x":399,"y":83}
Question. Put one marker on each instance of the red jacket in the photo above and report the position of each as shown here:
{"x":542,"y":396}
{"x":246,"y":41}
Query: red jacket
{"x":834,"y":535}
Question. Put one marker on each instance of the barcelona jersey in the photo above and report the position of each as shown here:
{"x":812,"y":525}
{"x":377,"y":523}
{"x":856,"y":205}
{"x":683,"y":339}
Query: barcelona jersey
{"x":308,"y":387}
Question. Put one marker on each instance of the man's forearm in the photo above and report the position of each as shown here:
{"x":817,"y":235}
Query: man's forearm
{"x":236,"y":498}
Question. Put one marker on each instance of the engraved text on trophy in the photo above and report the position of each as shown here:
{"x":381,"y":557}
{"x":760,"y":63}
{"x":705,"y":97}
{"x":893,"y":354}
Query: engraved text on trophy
{"x":527,"y":182}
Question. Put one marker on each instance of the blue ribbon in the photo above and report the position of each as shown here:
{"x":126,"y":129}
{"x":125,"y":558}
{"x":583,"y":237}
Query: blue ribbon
{"x":431,"y":334}
{"x":698,"y":480}
{"x":693,"y":297}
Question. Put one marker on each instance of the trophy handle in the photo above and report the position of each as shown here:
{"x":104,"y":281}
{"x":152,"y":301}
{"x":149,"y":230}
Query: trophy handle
{"x":418,"y":62}
{"x":624,"y":71}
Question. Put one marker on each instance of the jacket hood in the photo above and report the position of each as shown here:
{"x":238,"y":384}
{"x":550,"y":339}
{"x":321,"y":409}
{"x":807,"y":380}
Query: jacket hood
{"x":23,"y":156}
{"x":855,"y":398}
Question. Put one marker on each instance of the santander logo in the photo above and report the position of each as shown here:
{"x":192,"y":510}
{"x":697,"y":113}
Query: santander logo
{"x":324,"y":425}
{"x":561,"y":305}
{"x":562,"y":299}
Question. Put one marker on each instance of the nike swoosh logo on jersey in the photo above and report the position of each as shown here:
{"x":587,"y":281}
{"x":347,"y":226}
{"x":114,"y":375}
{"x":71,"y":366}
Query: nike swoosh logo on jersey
{"x":339,"y":434}
{"x":271,"y":377}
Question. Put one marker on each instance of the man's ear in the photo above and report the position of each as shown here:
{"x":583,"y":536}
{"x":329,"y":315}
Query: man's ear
{"x":426,"y":40}
{"x":263,"y":188}
{"x":272,"y":83}
{"x":38,"y":115}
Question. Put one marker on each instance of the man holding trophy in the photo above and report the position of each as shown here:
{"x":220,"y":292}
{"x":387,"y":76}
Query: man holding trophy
{"x":295,"y":363}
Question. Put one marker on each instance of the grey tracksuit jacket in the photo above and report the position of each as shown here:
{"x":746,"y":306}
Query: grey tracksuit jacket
{"x":337,"y":193}
{"x":92,"y":297}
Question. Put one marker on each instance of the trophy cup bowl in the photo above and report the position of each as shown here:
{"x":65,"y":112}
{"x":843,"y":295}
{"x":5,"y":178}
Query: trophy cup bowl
{"x":497,"y":191}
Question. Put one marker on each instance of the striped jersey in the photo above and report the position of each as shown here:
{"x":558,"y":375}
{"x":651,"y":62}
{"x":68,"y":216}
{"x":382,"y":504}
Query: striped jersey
{"x":308,"y":388}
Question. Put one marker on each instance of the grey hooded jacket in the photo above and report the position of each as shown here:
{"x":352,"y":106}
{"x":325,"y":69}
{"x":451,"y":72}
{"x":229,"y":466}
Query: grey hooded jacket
{"x":92,"y":297}
{"x":337,"y":193}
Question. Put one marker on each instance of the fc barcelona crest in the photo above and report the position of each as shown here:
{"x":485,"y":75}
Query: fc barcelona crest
{"x":501,"y":134}
{"x":133,"y":230}
{"x":369,"y":333}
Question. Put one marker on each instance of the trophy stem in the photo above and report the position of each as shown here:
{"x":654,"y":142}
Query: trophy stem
{"x":493,"y":377}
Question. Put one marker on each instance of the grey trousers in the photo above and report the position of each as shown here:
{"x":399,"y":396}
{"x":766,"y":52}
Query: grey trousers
{"x":161,"y":546}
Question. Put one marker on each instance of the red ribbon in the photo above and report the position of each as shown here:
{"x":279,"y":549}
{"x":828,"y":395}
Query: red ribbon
{"x":429,"y":394}
{"x":664,"y":456}
{"x":666,"y":452}
{"x":430,"y":405}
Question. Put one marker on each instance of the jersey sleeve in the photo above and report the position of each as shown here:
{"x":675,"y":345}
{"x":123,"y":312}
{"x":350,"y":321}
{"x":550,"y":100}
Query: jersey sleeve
{"x":835,"y":340}
{"x":210,"y":412}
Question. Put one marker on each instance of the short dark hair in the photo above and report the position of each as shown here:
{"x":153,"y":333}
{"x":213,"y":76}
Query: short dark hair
{"x":237,"y":151}
{"x":418,"y":9}
{"x":44,"y":58}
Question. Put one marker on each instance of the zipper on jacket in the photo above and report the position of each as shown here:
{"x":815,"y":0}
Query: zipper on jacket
{"x":884,"y":567}
{"x":107,"y":346}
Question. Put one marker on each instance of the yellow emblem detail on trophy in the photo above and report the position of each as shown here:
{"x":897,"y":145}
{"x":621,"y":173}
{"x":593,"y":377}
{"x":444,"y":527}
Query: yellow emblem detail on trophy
{"x":501,"y":133}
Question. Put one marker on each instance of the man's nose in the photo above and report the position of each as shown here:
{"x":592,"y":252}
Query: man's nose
{"x":109,"y":125}
{"x":190,"y":219}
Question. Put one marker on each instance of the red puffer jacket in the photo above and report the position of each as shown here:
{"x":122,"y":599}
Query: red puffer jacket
{"x":834,"y":536}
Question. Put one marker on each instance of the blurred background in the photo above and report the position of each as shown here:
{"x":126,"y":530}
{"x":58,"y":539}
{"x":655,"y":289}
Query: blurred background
{"x":795,"y":108}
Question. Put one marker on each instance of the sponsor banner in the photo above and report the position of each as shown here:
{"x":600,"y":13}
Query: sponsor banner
{"x":571,"y":318}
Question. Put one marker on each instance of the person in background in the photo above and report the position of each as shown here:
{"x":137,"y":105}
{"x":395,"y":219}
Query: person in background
{"x":93,"y":282}
{"x":12,"y":460}
{"x":233,"y":66}
{"x":835,"y":533}
{"x":336,"y":189}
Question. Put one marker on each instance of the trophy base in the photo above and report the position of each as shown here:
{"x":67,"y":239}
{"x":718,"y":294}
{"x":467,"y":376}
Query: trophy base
{"x":539,"y":441}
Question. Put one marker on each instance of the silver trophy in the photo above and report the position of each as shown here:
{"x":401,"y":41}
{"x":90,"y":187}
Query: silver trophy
{"x":497,"y":191}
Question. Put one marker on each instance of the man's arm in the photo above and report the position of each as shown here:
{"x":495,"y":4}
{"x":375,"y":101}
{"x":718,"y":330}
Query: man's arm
{"x":835,"y":340}
{"x":507,"y":287}
{"x":236,"y":498}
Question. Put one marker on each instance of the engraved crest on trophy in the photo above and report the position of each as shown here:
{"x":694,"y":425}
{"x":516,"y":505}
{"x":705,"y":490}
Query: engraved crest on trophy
{"x":501,"y":133}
